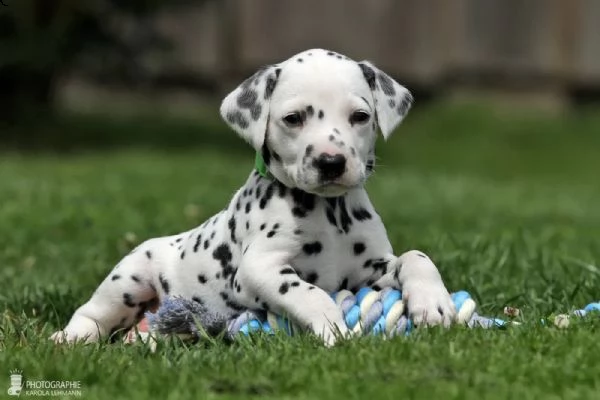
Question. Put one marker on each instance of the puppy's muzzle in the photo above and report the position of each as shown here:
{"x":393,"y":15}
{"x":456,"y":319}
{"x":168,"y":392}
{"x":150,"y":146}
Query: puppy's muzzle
{"x":330,"y":166}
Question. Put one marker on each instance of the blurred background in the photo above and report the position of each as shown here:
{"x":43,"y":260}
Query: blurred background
{"x":180,"y":57}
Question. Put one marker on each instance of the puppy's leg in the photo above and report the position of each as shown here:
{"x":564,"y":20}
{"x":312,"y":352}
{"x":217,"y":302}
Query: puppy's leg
{"x":267,"y":281}
{"x":423,"y":291}
{"x":121,"y":298}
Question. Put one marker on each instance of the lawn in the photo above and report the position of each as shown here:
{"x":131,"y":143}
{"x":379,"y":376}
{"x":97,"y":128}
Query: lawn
{"x":504,"y":201}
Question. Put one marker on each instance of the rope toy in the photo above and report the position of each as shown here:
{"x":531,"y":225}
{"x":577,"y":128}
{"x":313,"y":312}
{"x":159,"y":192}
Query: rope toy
{"x":380,"y":313}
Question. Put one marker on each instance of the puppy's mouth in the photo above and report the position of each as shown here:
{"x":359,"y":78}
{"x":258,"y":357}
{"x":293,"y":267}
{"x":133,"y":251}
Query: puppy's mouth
{"x":330,"y":189}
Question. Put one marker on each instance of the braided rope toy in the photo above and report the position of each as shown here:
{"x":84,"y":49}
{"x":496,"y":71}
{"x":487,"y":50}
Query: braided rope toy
{"x":368,"y":311}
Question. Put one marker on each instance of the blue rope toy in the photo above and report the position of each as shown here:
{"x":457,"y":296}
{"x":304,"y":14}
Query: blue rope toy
{"x":366,"y":312}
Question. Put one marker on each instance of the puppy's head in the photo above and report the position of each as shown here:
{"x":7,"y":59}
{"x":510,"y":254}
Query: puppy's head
{"x":314,"y":118}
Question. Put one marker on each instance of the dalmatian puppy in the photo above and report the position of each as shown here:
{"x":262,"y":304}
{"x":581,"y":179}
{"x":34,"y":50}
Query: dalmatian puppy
{"x":304,"y":230}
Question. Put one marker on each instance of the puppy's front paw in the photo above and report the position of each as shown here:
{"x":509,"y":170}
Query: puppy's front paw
{"x":330,"y":333}
{"x":429,"y":303}
{"x":80,"y":329}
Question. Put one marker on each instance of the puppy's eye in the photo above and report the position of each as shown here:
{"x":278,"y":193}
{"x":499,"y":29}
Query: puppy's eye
{"x":359,"y":117}
{"x":293,"y":119}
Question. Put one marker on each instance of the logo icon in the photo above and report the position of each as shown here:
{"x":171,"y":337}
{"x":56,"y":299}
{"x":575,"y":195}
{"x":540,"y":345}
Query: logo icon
{"x":16,"y":383}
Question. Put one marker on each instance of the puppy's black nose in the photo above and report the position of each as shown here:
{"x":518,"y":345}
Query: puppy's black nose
{"x":330,"y":166}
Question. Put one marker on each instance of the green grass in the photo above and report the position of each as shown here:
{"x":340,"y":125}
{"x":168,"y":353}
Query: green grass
{"x":506,"y":203}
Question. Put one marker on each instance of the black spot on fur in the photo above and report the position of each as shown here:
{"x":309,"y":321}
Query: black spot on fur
{"x":331,"y":138}
{"x":115,"y":277}
{"x":380,"y":265}
{"x":135,"y":278}
{"x":312,"y":248}
{"x":295,"y":284}
{"x":248,"y":207}
{"x":258,"y":192}
{"x":232,"y":225}
{"x":223,"y":254}
{"x":148,"y":254}
{"x":247,"y":98}
{"x":237,"y":118}
{"x":421,"y":255}
{"x":277,"y":72}
{"x":310,"y":111}
{"x":336,"y":131}
{"x":281,"y":189}
{"x":206,"y":244}
{"x":392,"y":103}
{"x":345,"y":220}
{"x":312,"y":287}
{"x":234,"y":306}
{"x":182,"y":255}
{"x":287,"y":271}
{"x":312,"y":277}
{"x":202,"y":278}
{"x":387,"y":85}
{"x":267,"y":196}
{"x":197,"y":244}
{"x":255,"y":111}
{"x":178,"y":240}
{"x":330,"y":53}
{"x":299,"y":60}
{"x":303,"y":203}
{"x":321,"y":114}
{"x":283,"y":289}
{"x":270,"y":234}
{"x":163,"y":283}
{"x":330,"y":213}
{"x":298,"y":232}
{"x":198,"y":300}
{"x":266,"y":153}
{"x":270,"y":86}
{"x":128,"y":300}
{"x":247,"y":225}
{"x":369,"y":75}
{"x":332,"y":202}
{"x":361,"y":214}
{"x":405,"y":104}
{"x":263,"y":226}
{"x":359,"y":248}
{"x":344,"y":284}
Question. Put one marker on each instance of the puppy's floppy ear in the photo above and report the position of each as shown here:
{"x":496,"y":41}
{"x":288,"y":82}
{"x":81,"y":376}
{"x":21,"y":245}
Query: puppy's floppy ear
{"x":392,"y":100}
{"x":246,"y":109}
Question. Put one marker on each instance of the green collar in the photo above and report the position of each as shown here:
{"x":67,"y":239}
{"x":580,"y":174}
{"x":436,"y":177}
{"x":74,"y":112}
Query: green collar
{"x":261,"y":167}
